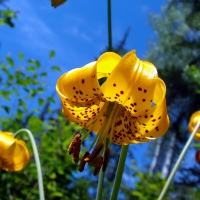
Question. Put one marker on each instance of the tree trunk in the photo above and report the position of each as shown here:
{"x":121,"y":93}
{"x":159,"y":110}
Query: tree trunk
{"x":156,"y":155}
{"x":168,"y":158}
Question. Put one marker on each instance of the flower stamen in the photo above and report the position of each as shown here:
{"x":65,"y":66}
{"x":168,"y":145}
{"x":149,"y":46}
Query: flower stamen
{"x":96,"y":170}
{"x":75,"y":147}
{"x":95,"y":152}
{"x":83,"y":162}
{"x":106,"y":159}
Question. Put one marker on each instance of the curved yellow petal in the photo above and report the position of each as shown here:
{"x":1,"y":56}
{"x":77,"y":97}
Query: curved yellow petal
{"x":85,"y":115}
{"x":194,"y":119}
{"x":106,"y":63}
{"x":131,"y":84}
{"x":154,"y":122}
{"x":79,"y":84}
{"x":134,"y":87}
{"x":6,"y":140}
{"x":79,"y":89}
{"x":125,"y":131}
{"x":14,"y":154}
{"x":17,"y":156}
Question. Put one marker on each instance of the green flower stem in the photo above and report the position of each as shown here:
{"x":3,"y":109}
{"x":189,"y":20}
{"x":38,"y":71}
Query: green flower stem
{"x":101,"y":176}
{"x":178,"y":162}
{"x":109,"y":27}
{"x":37,"y":160}
{"x":100,"y":185}
{"x":119,"y":173}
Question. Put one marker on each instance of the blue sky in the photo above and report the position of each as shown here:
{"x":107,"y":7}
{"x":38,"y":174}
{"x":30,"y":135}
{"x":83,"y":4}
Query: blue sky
{"x":77,"y":31}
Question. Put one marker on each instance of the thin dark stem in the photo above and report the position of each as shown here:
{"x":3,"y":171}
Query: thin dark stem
{"x":109,"y":27}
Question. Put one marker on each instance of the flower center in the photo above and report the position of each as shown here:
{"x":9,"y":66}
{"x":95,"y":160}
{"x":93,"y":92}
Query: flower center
{"x":100,"y":155}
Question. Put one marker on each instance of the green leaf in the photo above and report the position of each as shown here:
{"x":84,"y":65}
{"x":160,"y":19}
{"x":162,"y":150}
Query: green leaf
{"x":6,"y":108}
{"x":136,"y":193}
{"x":34,"y":62}
{"x":52,"y":54}
{"x":55,"y":68}
{"x":57,"y":194}
{"x":41,"y":101}
{"x":43,"y":74}
{"x":10,"y":61}
{"x":19,"y":114}
{"x":40,"y":89}
{"x":21,"y":56}
{"x":51,"y":99}
{"x":30,"y":69}
{"x":52,"y":175}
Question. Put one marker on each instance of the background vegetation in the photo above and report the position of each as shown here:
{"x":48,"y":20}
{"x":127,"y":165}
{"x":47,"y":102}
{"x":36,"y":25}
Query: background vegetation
{"x":26,"y":102}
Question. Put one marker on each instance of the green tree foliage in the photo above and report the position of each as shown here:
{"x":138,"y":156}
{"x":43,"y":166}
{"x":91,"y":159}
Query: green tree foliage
{"x":175,"y":51}
{"x":6,"y":15}
{"x":26,"y":103}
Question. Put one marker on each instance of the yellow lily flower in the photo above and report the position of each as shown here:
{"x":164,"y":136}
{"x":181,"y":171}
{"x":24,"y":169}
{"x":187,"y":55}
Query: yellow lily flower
{"x":14,"y":154}
{"x":129,"y":107}
{"x":193,"y":122}
{"x":56,"y":3}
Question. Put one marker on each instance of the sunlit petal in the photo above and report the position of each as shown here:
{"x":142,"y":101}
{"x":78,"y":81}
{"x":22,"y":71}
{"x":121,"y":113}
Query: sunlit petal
{"x":194,"y":119}
{"x":121,"y":99}
{"x":14,"y":153}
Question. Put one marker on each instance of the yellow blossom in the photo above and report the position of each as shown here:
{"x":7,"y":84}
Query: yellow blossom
{"x":193,"y":122}
{"x":14,"y":154}
{"x":128,"y":107}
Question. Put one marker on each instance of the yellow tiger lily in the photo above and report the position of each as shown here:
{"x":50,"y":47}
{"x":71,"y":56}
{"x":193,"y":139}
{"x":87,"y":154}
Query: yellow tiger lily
{"x":128,"y":107}
{"x":14,"y":154}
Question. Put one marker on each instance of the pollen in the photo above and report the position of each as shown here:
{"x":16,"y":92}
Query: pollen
{"x":75,"y":147}
{"x":83,"y":162}
{"x":95,"y":152}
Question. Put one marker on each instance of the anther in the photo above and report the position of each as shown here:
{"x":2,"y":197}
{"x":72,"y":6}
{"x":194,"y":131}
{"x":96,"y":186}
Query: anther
{"x":73,"y":144}
{"x":82,"y":164}
{"x":95,"y":152}
{"x":96,"y":170}
{"x":98,"y":161}
{"x":75,"y":147}
{"x":106,"y":159}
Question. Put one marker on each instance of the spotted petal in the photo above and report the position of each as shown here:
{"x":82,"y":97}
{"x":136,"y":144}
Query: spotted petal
{"x":132,"y":84}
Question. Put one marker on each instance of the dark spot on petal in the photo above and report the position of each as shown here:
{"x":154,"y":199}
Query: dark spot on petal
{"x":140,"y":89}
